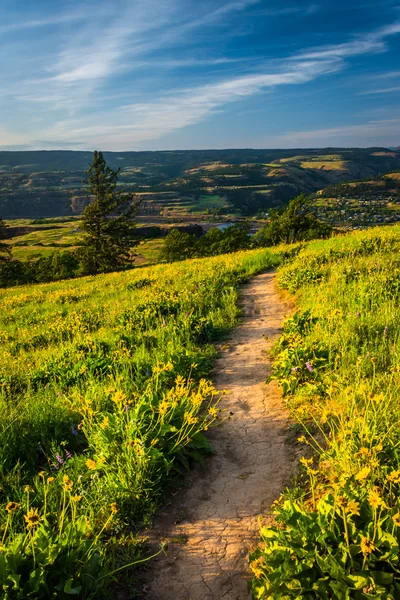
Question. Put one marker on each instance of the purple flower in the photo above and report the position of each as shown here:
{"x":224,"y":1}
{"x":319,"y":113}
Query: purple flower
{"x":60,"y":460}
{"x":309,"y":367}
{"x":68,"y":454}
{"x":74,"y":431}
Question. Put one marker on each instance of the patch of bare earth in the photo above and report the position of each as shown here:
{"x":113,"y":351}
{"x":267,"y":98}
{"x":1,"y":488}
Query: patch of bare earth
{"x":211,"y":527}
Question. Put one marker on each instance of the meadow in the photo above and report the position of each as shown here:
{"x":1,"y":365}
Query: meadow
{"x":337,"y":529}
{"x":105,"y":398}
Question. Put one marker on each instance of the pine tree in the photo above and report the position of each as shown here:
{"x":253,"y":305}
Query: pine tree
{"x":5,"y":250}
{"x":108,"y":221}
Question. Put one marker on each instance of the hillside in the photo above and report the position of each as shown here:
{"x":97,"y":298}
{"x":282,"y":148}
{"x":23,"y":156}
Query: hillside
{"x":183,"y":184}
{"x":362,"y":203}
{"x":337,"y":363}
{"x":104,"y":402}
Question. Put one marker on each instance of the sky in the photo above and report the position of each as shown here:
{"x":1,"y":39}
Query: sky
{"x":185,"y":74}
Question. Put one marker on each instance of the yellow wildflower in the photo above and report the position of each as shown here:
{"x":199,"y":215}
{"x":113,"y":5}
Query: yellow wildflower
{"x":306,"y":461}
{"x":190,"y":419}
{"x":32,"y":518}
{"x":394,"y":477}
{"x":91,"y":464}
{"x":375,"y":499}
{"x":12,"y":507}
{"x":119,"y":398}
{"x":353,"y":507}
{"x":163,"y":407}
{"x":367,"y":545}
{"x":213,"y":412}
{"x":50,"y":479}
{"x":396,"y":519}
{"x":362,"y":452}
{"x":67,"y":483}
{"x":105,"y":423}
{"x":114,"y":508}
{"x":28,"y":489}
{"x":301,"y":439}
{"x":363,"y":474}
{"x":76,"y":498}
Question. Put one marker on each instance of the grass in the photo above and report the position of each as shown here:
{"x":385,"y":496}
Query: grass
{"x":150,"y":250}
{"x":104,"y":400}
{"x":327,"y":165}
{"x":63,"y":233}
{"x":338,"y":362}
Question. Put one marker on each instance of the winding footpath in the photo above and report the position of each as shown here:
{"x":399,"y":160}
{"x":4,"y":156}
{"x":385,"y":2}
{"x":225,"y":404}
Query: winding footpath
{"x":211,"y":526}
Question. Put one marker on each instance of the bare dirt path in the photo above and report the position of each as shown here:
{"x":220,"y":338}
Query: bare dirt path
{"x":210,"y":527}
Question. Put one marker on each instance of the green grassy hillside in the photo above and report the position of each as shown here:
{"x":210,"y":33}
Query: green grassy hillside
{"x":104,"y":399}
{"x":338,"y":363}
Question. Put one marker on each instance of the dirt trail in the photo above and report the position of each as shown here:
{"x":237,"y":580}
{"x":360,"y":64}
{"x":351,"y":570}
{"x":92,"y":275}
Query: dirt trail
{"x":210,"y":527}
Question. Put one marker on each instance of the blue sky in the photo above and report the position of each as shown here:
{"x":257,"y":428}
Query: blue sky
{"x":177,"y":74}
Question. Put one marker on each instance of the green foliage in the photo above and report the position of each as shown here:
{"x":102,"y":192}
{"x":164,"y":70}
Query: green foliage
{"x":179,"y":246}
{"x":4,"y":248}
{"x":329,"y":553}
{"x":338,"y":363}
{"x":296,"y":223}
{"x":107,"y":222}
{"x":104,"y":403}
{"x":56,"y":266}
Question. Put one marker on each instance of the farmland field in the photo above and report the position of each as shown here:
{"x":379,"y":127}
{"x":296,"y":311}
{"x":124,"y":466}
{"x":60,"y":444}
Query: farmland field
{"x":104,"y":400}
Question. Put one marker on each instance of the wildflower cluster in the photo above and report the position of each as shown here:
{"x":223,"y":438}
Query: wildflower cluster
{"x":104,"y":395}
{"x":337,"y":362}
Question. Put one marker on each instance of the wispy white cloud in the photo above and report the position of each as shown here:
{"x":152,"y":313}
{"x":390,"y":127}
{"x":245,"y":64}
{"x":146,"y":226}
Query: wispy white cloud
{"x":380,"y":91}
{"x":386,"y":75}
{"x":373,"y":133}
{"x":69,"y":83}
{"x":12,"y":27}
{"x":134,"y":123}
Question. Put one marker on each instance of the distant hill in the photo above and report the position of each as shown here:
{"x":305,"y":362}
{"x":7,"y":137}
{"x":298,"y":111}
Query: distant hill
{"x":362,"y":203}
{"x":245,"y":181}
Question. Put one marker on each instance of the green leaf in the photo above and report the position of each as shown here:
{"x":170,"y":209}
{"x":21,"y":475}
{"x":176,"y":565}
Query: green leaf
{"x":382,"y":578}
{"x":72,"y":591}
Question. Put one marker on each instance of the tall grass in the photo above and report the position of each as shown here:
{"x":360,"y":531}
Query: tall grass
{"x":104,"y":399}
{"x":338,"y":361}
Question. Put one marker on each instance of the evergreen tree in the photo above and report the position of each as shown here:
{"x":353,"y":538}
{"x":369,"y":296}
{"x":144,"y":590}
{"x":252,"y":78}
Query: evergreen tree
{"x":108,"y":221}
{"x":5,"y":250}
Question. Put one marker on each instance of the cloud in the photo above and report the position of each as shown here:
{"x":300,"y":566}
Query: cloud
{"x":72,"y":85}
{"x":373,"y":133}
{"x":62,"y":19}
{"x":387,"y":75}
{"x":380,"y":91}
{"x":140,"y":122}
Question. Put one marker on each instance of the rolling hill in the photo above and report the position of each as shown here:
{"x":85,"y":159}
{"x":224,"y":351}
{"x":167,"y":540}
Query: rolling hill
{"x":184,"y":183}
